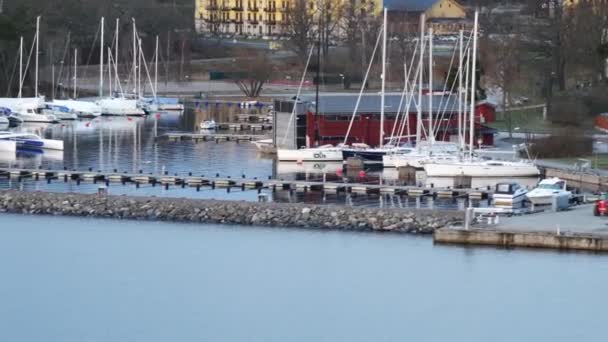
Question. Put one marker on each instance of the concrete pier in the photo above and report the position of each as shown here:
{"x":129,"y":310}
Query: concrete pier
{"x":573,"y":229}
{"x":532,"y":239}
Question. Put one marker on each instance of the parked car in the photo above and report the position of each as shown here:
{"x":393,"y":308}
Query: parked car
{"x":601,"y":205}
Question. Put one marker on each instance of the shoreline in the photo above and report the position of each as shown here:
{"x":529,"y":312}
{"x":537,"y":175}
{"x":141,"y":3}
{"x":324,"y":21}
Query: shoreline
{"x":286,"y":215}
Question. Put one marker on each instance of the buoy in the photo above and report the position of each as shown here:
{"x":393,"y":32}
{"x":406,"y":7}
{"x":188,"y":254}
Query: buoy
{"x":158,"y":116}
{"x":339,"y":172}
{"x":299,"y":161}
{"x":361,"y":173}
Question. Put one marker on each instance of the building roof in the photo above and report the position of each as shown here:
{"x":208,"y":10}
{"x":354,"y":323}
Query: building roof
{"x":409,"y":5}
{"x":370,"y":103}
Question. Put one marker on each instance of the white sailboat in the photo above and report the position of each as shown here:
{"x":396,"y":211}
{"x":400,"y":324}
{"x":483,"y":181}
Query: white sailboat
{"x":76,"y":108}
{"x":28,"y":109}
{"x":472,"y":166}
{"x":322,"y":153}
{"x":120,"y":106}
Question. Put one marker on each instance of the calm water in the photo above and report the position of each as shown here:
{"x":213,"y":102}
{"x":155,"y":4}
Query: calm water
{"x":70,"y":279}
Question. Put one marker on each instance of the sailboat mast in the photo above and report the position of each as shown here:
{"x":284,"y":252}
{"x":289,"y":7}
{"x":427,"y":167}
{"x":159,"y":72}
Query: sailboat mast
{"x":134,"y":57}
{"x":110,"y":70}
{"x":459,"y":74}
{"x":382,"y":99}
{"x":139,"y":64}
{"x":431,"y":137}
{"x":37,"y":48}
{"x":473,"y":81}
{"x":420,"y":75}
{"x":20,"y":66}
{"x":101,"y":60}
{"x":156,"y":68}
{"x":75,"y":71}
{"x":116,"y":56}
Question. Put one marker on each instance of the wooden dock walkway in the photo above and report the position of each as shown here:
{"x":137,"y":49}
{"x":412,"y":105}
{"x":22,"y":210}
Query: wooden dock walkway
{"x":244,"y":126}
{"x":196,"y":137}
{"x":192,"y":180}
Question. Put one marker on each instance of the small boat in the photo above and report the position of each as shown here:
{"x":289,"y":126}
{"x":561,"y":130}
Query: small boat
{"x":208,"y":125}
{"x":322,"y":153}
{"x":548,"y":190}
{"x":169,"y":104}
{"x":59,"y":111}
{"x":82,"y":109}
{"x":120,"y":107}
{"x":29,"y":140}
{"x":509,"y":195}
{"x":265,"y":146}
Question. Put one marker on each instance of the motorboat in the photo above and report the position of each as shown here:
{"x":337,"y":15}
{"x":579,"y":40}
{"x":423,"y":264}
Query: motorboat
{"x":208,"y":125}
{"x":509,"y":195}
{"x":59,"y":111}
{"x":120,"y":107}
{"x":31,"y":115}
{"x":169,"y":104}
{"x":82,"y":109}
{"x":26,"y":109}
{"x":322,"y":153}
{"x":265,"y":146}
{"x":30,"y":140}
{"x":481,"y":168}
{"x":550,"y":190}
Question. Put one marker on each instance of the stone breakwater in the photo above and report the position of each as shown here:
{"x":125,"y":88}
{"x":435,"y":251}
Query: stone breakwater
{"x":228,"y":212}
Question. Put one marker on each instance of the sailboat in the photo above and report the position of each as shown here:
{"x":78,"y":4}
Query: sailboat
{"x":118,"y":106}
{"x":27,"y":109}
{"x":76,"y":108}
{"x":322,"y":153}
{"x":472,"y":166}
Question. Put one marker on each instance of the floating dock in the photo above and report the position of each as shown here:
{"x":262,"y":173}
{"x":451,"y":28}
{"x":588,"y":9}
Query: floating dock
{"x":196,"y":137}
{"x":199,"y":181}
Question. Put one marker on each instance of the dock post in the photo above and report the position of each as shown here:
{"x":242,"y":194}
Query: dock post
{"x":468,"y":217}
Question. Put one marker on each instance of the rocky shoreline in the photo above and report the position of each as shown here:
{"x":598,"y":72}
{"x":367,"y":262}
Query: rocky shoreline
{"x":296,"y":215}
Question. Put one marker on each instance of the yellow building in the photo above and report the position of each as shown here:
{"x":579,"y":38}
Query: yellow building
{"x":444,"y":16}
{"x":258,"y":18}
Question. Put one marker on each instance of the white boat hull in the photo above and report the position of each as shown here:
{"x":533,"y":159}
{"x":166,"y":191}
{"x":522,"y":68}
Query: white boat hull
{"x":33,"y":117}
{"x":82,"y":109}
{"x":265,"y":146}
{"x":120,"y":107}
{"x":170,"y":107}
{"x":481,"y":169}
{"x":309,"y":154}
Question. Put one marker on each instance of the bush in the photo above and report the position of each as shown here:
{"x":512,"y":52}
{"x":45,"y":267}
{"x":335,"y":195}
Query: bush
{"x":561,"y":145}
{"x":569,"y":110}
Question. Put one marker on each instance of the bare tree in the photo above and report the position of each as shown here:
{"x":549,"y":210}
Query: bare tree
{"x":300,"y":27}
{"x":501,"y":51}
{"x":253,"y":71}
